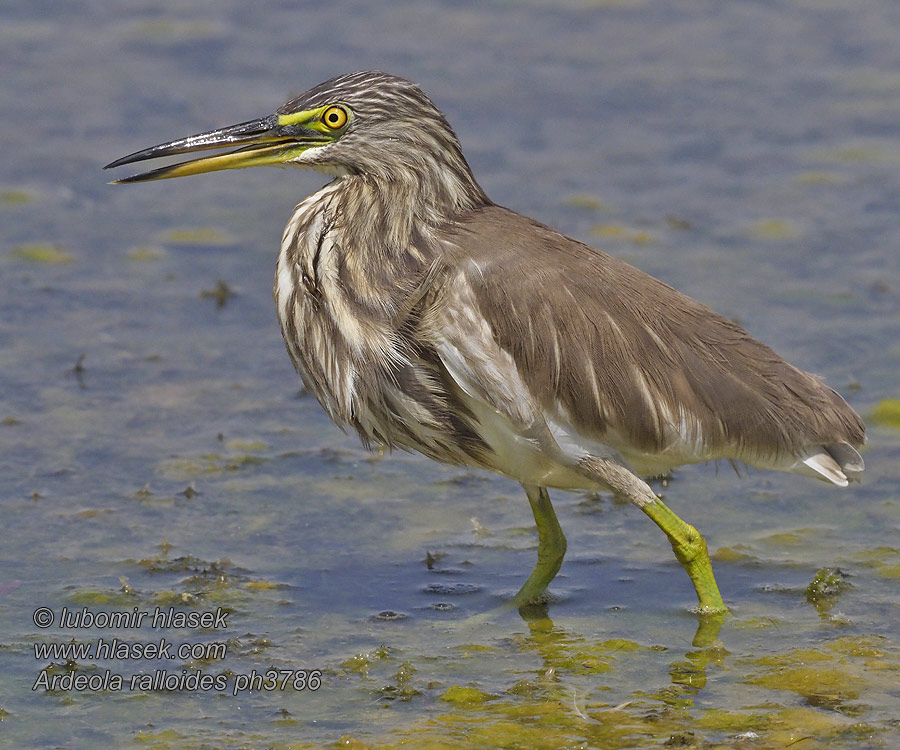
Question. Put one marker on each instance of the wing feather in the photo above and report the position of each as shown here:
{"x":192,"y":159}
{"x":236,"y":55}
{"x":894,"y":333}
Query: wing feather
{"x":638,"y":365}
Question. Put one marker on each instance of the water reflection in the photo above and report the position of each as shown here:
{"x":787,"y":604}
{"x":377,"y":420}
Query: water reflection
{"x":564,"y":651}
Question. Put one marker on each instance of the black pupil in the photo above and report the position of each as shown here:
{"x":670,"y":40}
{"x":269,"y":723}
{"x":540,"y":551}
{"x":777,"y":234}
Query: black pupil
{"x":333,"y":117}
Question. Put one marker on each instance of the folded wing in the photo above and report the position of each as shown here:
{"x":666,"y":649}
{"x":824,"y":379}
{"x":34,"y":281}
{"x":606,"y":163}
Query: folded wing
{"x":606,"y":355}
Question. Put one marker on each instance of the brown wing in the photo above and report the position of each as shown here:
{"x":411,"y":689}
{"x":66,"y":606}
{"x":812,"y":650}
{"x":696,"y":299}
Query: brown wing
{"x":624,"y":355}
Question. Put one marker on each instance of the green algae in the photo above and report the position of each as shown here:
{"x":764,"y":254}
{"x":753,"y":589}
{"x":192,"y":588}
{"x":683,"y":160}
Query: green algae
{"x":42,"y":253}
{"x":146,"y":253}
{"x":624,"y":233}
{"x":732,"y":554}
{"x":774,"y":230}
{"x":548,"y":715}
{"x":465,"y":697}
{"x":688,"y":675}
{"x":563,"y":651}
{"x":91,"y":597}
{"x":857,"y":154}
{"x":14,"y":197}
{"x":239,"y":445}
{"x":825,"y":587}
{"x":208,"y":464}
{"x":481,"y":720}
{"x":886,"y":412}
{"x":525,"y":716}
{"x":731,"y":721}
{"x":828,"y":676}
{"x":818,"y":178}
{"x":791,"y":537}
{"x":797,"y":656}
{"x":758,"y":623}
{"x":361,"y":663}
{"x":357,"y":664}
{"x":264,"y":585}
{"x":402,"y":689}
{"x":196,"y":236}
{"x":863,"y":646}
{"x":884,"y":560}
{"x":812,"y":682}
{"x":587,"y":202}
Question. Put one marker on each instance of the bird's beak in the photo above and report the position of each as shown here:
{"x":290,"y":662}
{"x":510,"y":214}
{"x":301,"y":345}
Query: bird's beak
{"x":269,"y":140}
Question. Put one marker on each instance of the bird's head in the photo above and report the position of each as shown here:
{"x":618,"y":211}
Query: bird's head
{"x":371,"y":124}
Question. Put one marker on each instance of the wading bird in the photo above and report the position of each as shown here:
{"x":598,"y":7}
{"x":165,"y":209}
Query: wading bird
{"x":431,"y":319}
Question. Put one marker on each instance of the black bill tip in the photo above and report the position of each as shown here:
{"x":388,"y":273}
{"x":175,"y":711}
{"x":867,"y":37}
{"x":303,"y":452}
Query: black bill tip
{"x":235,"y":135}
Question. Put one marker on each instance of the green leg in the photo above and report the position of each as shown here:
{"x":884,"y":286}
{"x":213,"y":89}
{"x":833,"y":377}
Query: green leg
{"x":690,"y":549}
{"x":689,"y":546}
{"x":551,"y":547}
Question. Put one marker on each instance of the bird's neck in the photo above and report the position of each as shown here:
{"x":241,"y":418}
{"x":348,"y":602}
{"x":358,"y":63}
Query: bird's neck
{"x":398,"y":209}
{"x":366,"y":243}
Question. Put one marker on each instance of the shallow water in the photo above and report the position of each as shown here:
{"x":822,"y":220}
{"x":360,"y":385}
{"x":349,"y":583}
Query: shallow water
{"x":155,"y":451}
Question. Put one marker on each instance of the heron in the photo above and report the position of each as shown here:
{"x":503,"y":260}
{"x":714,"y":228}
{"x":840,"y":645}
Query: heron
{"x":428,"y":318}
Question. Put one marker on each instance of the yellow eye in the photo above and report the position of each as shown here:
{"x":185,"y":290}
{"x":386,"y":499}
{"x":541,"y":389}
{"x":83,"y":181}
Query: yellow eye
{"x":335,"y":117}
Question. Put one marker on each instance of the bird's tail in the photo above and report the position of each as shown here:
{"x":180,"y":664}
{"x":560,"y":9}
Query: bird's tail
{"x":839,"y":463}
